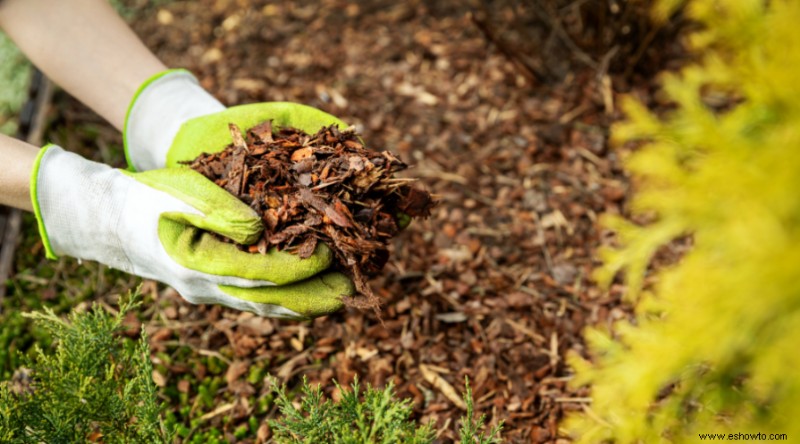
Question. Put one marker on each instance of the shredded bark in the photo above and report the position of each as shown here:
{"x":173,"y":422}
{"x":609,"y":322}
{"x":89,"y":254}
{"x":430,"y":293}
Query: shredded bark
{"x":326,"y":187}
{"x":496,"y":285}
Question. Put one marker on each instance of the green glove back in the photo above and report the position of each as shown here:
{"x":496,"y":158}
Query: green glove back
{"x":210,"y":133}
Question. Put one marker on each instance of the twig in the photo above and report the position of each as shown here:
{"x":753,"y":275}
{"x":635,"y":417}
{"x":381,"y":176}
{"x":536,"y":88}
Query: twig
{"x":577,"y":400}
{"x":555,"y":23}
{"x":648,"y":39}
{"x":512,"y":54}
{"x":212,"y":354}
{"x":218,"y":411}
{"x":605,"y":61}
{"x":570,"y":115}
{"x":10,"y":236}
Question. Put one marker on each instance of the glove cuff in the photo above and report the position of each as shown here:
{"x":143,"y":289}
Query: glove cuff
{"x":158,"y":109}
{"x":37,"y":209}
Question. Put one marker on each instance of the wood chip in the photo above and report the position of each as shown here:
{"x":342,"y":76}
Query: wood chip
{"x":352,"y":206}
{"x":440,"y":384}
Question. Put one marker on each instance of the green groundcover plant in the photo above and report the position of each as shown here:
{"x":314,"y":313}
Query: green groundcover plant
{"x":94,"y":384}
{"x":714,"y":348}
{"x":372,"y":416}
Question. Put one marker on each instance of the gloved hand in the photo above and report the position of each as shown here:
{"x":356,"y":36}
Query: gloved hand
{"x":151,"y":224}
{"x":172,"y":119}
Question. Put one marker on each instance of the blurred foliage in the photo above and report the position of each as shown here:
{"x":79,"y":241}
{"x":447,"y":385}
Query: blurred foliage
{"x":714,"y":346}
{"x":14,"y":77}
{"x":94,"y":384}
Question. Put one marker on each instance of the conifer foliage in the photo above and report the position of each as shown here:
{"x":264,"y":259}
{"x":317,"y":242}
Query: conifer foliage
{"x":371,"y":416}
{"x":94,"y":386}
{"x":714,"y":346}
{"x":377,"y":418}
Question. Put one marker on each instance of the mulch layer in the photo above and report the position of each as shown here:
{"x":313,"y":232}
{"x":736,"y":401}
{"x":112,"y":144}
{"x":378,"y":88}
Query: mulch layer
{"x":495,"y":285}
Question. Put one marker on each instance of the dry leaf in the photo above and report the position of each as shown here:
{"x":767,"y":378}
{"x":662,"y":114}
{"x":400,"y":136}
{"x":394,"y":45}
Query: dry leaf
{"x":235,"y":370}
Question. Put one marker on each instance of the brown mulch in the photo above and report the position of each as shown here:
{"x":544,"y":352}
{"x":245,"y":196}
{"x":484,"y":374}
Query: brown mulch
{"x":324,"y":187}
{"x":496,"y":285}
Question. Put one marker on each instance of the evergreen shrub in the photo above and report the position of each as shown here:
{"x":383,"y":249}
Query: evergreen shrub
{"x":95,"y":385}
{"x":714,"y":348}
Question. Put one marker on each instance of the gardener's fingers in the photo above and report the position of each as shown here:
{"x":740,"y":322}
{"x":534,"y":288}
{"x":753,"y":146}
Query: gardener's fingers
{"x":222,"y":213}
{"x":311,"y":298}
{"x":198,"y":250}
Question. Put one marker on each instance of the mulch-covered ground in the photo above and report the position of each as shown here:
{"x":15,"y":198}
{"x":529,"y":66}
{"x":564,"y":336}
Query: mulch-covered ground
{"x":495,"y":286}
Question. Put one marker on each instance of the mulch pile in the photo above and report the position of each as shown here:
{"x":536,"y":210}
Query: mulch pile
{"x":326,"y":187}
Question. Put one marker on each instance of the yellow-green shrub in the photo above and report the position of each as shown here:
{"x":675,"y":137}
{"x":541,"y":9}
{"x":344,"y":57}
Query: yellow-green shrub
{"x":716,"y":343}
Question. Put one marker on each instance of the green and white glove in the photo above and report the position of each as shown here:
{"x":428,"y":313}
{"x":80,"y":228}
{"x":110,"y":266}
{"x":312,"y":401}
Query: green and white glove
{"x":172,"y":119}
{"x":152,"y":224}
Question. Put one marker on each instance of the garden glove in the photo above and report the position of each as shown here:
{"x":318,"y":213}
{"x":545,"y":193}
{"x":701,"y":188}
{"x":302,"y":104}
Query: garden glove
{"x":156,"y":224}
{"x":172,"y":119}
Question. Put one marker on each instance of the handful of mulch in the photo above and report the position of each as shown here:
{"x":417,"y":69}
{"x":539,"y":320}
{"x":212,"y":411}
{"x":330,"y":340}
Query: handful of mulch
{"x":325,"y":187}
